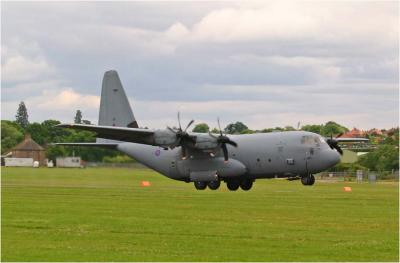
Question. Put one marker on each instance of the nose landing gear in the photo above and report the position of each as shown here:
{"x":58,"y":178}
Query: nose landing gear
{"x":308,"y":180}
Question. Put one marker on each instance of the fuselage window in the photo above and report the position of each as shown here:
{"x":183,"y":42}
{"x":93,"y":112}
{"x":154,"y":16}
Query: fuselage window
{"x":290,"y":161}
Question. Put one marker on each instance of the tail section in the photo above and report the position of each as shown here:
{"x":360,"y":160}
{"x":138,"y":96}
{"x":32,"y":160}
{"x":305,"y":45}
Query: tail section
{"x":115,"y":109}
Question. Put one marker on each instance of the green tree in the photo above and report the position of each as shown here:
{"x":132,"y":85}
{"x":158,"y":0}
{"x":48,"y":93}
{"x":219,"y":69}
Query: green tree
{"x":22,"y":115}
{"x":235,"y":128}
{"x":37,"y":133}
{"x":289,"y":128}
{"x":11,"y":135}
{"x":53,"y":133}
{"x":53,"y":151}
{"x":214,"y":130}
{"x":333,"y":128}
{"x":247,"y":131}
{"x":201,"y":128}
{"x":383,"y":158}
{"x":78,"y":117}
{"x":312,"y":128}
{"x":266,"y":130}
{"x":87,"y":153}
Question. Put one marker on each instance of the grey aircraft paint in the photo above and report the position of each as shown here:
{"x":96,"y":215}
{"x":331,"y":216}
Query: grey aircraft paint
{"x":115,"y":109}
{"x":295,"y":154}
{"x":264,"y":155}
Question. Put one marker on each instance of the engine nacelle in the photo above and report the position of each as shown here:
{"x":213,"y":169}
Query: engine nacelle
{"x":206,"y":142}
{"x":164,"y":138}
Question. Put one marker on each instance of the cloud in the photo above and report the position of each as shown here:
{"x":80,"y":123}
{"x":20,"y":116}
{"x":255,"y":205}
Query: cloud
{"x":66,"y":99}
{"x":53,"y":104}
{"x":226,"y":58}
{"x":309,"y":22}
{"x":22,"y":69}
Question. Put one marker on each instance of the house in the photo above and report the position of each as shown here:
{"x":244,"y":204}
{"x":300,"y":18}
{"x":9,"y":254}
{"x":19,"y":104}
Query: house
{"x":28,"y":148}
{"x":354,"y":133}
{"x":375,"y":131}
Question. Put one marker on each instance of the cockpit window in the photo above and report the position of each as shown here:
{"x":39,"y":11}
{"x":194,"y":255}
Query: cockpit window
{"x":311,"y":140}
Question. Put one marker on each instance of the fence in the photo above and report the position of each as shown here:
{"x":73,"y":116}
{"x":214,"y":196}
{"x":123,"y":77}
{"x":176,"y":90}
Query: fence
{"x":359,"y":176}
{"x":117,"y":165}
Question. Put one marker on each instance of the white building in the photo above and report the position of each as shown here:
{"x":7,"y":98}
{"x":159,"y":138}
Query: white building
{"x":70,"y":162}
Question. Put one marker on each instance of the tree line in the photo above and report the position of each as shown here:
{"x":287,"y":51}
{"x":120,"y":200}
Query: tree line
{"x":384,"y":157}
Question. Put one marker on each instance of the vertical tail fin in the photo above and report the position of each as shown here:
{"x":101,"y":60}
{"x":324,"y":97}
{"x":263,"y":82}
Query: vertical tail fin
{"x":115,"y":109}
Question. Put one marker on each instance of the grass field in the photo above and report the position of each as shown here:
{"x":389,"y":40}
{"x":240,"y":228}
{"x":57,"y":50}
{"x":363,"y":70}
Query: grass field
{"x":102,"y":214}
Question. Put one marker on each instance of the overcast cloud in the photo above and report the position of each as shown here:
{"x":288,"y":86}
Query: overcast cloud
{"x":263,"y":63}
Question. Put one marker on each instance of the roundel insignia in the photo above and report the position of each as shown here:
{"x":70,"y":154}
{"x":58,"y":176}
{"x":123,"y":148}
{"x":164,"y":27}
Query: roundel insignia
{"x":157,"y":152}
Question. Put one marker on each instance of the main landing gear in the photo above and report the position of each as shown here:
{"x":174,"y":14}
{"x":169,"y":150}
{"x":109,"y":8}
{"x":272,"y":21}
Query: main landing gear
{"x":232,"y":184}
{"x":213,"y":185}
{"x":200,"y":185}
{"x":308,"y":180}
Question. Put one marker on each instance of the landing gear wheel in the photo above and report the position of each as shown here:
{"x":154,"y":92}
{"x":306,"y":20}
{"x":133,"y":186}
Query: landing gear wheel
{"x":214,"y":185}
{"x":308,"y":180}
{"x":200,"y":185}
{"x":232,"y":185}
{"x":304,"y":180}
{"x":311,"y":180}
{"x":246,"y":184}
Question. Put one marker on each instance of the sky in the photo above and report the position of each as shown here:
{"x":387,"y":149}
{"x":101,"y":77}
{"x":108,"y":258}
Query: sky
{"x":266,"y":64}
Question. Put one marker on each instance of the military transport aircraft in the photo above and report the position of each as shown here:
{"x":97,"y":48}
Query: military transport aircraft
{"x":208,"y":159}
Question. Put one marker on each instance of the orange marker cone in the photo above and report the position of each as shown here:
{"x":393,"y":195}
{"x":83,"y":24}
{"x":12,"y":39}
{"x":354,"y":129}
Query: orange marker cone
{"x":347,"y":189}
{"x":145,"y":183}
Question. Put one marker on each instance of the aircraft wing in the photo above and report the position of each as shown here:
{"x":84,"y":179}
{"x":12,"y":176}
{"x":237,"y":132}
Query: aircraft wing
{"x":125,"y":134}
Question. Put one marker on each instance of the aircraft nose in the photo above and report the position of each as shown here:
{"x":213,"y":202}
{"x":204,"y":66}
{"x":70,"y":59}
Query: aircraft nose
{"x":332,"y":157}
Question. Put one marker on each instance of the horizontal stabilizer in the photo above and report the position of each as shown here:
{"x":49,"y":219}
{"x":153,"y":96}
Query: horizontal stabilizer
{"x":89,"y":144}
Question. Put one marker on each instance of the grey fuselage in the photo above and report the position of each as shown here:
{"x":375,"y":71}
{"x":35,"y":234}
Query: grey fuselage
{"x":260,"y":155}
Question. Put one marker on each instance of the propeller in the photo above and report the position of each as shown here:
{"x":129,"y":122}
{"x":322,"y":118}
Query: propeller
{"x":183,"y":138}
{"x":223,"y":140}
{"x":333,"y":143}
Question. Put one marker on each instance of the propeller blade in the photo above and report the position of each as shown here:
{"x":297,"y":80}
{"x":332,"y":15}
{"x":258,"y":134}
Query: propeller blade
{"x":334,"y":145}
{"x":212,"y":135}
{"x":219,"y":127}
{"x":340,"y":134}
{"x":225,"y":151}
{"x":232,"y":143}
{"x":183,"y":153}
{"x":179,"y":121}
{"x":340,"y":151}
{"x":169,"y":128}
{"x":330,"y":143}
{"x":190,"y":123}
{"x":189,"y":138}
